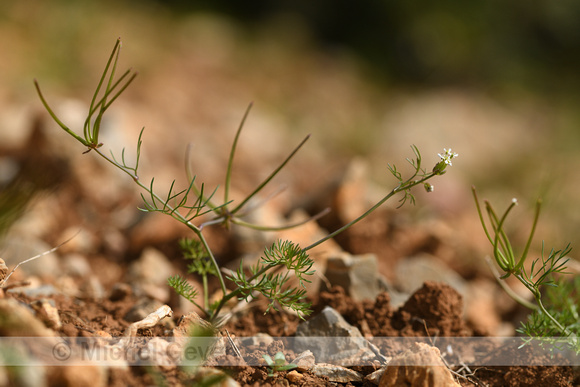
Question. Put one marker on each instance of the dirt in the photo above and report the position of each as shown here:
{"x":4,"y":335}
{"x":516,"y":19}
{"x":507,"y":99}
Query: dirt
{"x":434,"y":310}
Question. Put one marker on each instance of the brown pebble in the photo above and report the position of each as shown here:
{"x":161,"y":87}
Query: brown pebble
{"x":294,"y":376}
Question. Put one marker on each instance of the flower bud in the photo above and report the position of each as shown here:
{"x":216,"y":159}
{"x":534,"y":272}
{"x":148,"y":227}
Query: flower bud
{"x":439,"y":168}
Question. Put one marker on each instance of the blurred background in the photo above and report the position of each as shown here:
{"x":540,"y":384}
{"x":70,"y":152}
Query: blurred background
{"x":496,"y":81}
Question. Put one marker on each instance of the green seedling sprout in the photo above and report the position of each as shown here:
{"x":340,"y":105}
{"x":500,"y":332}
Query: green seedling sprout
{"x":277,"y":364}
{"x":188,"y":205}
{"x":540,"y":274}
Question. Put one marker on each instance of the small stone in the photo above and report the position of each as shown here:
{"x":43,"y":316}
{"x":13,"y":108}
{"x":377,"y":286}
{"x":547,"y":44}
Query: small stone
{"x":82,"y":242}
{"x":375,"y":377}
{"x":114,"y":242}
{"x":142,"y":309}
{"x":68,"y":285}
{"x":19,"y":321}
{"x":3,"y":270}
{"x":362,"y":356}
{"x":358,"y":275}
{"x":304,"y":361}
{"x":92,"y":288}
{"x":160,"y":353}
{"x":120,"y":291}
{"x":419,"y":366}
{"x":336,"y":373}
{"x":294,"y":376}
{"x":17,"y":248}
{"x":149,"y":274}
{"x":46,"y":311}
{"x":329,"y":337}
{"x":412,"y":272}
{"x":33,"y":288}
{"x":76,"y":265}
{"x":262,"y":339}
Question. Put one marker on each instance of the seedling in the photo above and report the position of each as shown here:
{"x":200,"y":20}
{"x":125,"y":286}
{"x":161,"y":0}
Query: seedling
{"x":540,"y":274}
{"x":277,"y":364}
{"x":193,"y":205}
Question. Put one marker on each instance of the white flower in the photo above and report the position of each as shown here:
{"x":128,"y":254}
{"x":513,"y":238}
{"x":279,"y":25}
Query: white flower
{"x":447,"y":156}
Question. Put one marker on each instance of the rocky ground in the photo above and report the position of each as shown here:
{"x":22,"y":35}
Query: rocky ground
{"x":393,"y":275}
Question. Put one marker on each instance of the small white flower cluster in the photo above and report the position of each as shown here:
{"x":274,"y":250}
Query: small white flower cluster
{"x":447,"y":156}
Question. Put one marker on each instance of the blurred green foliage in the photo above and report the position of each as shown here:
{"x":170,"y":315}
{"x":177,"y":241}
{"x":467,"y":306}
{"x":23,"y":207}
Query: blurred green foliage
{"x":505,"y":43}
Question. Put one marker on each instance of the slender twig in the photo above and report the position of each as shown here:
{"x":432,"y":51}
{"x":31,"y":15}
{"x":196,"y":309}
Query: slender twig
{"x":36,"y":257}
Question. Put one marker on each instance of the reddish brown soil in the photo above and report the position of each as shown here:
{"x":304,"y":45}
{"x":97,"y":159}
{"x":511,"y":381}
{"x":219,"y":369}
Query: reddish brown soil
{"x":434,"y":310}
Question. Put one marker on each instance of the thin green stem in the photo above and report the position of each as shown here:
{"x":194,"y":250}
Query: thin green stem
{"x":520,"y":300}
{"x":56,"y":119}
{"x":232,"y":152}
{"x":400,"y":188}
{"x":252,"y":226}
{"x":499,"y":232}
{"x":479,"y":212}
{"x":89,"y":133}
{"x":236,"y":292}
{"x":210,"y":253}
{"x":205,"y":292}
{"x":562,"y":329}
{"x":529,"y":242}
{"x":191,"y":177}
{"x":270,"y":177}
{"x":499,"y":254}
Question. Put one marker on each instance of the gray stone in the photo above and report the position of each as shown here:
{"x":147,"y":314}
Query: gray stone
{"x":76,"y":265}
{"x":17,"y":248}
{"x":358,"y":275}
{"x":329,"y":337}
{"x":92,"y":288}
{"x":336,"y":373}
{"x":304,"y":361}
{"x":375,"y":377}
{"x":262,"y":339}
{"x":40,"y":291}
{"x":142,"y":309}
{"x":412,"y":272}
{"x":148,"y":275}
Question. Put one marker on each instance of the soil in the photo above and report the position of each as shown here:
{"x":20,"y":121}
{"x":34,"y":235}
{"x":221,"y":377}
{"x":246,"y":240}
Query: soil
{"x":433,"y":310}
